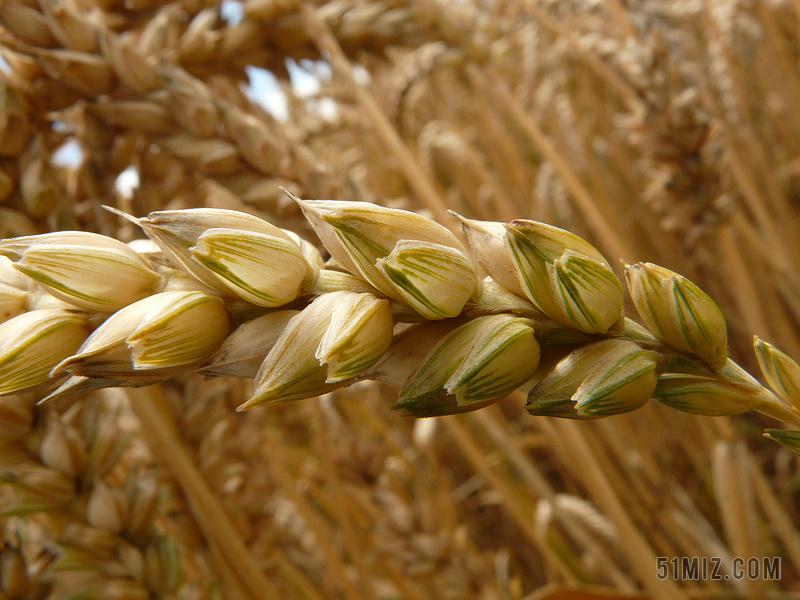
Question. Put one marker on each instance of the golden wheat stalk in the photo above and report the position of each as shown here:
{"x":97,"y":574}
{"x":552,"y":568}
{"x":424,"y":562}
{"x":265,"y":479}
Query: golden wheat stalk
{"x":400,"y":300}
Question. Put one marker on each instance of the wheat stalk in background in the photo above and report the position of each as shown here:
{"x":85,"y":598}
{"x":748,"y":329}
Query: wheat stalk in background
{"x":658,"y":132}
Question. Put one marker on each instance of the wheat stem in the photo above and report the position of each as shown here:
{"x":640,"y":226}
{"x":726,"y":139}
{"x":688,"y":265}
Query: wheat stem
{"x":210,"y":514}
{"x":734,"y":495}
{"x":625,"y":90}
{"x":340,"y":503}
{"x":417,"y":178}
{"x":515,"y":506}
{"x":609,"y":236}
{"x":782,"y":525}
{"x":639,"y":552}
{"x":298,"y":577}
{"x":310,"y":516}
{"x":490,"y":421}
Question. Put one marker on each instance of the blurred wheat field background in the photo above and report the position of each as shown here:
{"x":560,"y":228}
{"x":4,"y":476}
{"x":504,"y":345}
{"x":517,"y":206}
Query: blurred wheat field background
{"x":664,"y":131}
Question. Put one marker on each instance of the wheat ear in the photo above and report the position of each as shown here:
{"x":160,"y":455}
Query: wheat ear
{"x":400,"y":300}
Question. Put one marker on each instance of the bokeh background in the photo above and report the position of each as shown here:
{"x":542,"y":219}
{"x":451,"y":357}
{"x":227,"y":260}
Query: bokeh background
{"x":660,"y":130}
